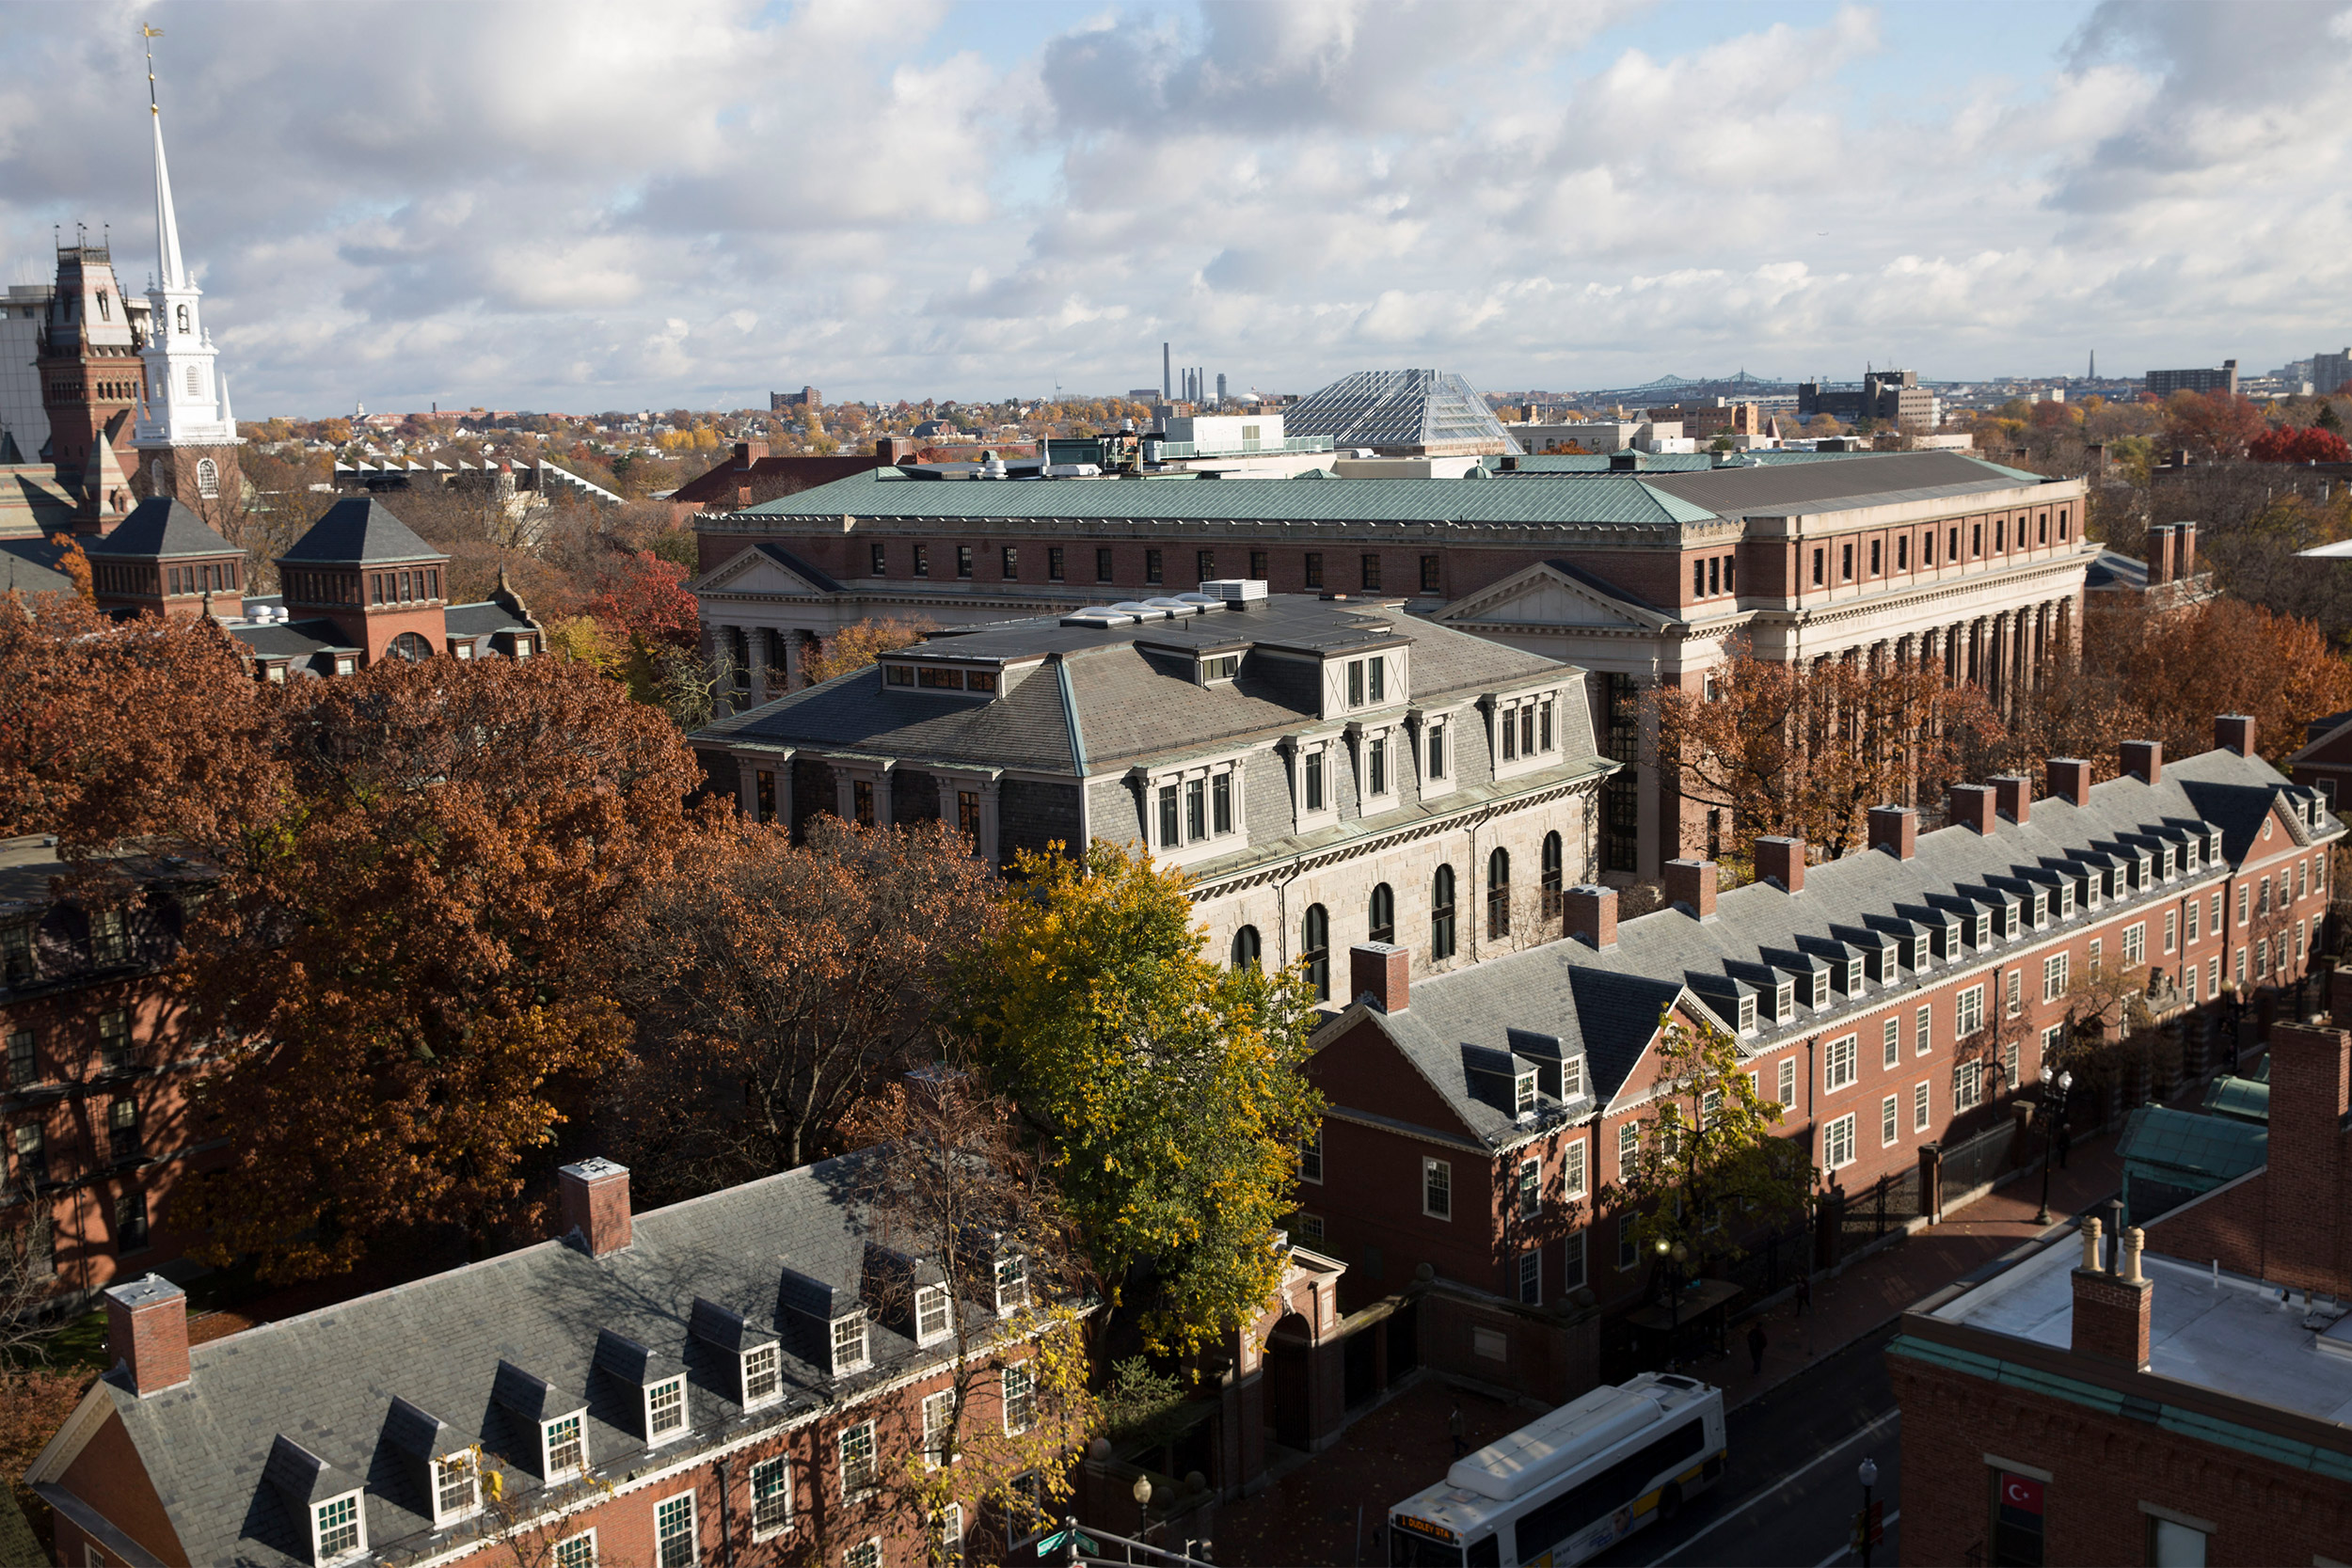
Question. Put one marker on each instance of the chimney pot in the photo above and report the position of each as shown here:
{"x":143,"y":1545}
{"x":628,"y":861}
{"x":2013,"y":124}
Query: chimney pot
{"x":1972,"y":806}
{"x":1592,"y":915}
{"x":2012,"y":796}
{"x":2069,"y":780}
{"x":2184,"y":550}
{"x":2144,"y":759}
{"x":1383,"y":972}
{"x":2112,"y":1314}
{"x":147,"y":1333}
{"x":596,"y":1205}
{"x":2090,"y":1244}
{"x":2159,"y":555}
{"x":1781,"y":861}
{"x":1692,"y":884}
{"x":2234,"y":731}
{"x":1894,"y":830}
{"x":2134,"y":1240}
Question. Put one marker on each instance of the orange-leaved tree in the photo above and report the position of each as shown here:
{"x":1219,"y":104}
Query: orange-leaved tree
{"x":855,"y":646}
{"x":1805,"y":749}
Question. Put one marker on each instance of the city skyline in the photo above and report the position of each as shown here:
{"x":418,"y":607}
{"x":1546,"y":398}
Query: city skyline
{"x":931,"y":202}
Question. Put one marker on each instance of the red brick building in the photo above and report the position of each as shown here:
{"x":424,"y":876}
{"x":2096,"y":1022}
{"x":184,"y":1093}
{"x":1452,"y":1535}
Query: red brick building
{"x":95,"y":1110}
{"x":723,"y":1380}
{"x":2183,"y":1397}
{"x":1888,"y":1001}
{"x":749,"y":475}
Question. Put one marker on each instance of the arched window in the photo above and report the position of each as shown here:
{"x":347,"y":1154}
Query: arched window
{"x":196,"y":386}
{"x":1498,"y":894}
{"x":408,"y":646}
{"x":1316,"y":951}
{"x":1383,"y":914}
{"x":1245,"y":947}
{"x":207,"y":478}
{"x":1551,"y":876}
{"x":180,"y":317}
{"x":1441,"y":915}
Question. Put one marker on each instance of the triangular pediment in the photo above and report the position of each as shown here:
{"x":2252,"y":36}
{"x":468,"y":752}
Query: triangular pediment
{"x":754,"y":572}
{"x":1546,"y":594}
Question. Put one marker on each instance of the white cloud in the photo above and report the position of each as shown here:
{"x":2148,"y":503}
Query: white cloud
{"x":604,"y":205}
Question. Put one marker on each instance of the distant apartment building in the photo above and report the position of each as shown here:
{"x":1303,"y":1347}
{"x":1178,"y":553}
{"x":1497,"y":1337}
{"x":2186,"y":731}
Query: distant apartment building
{"x":1643,"y":569}
{"x":2165,"y":383}
{"x":806,"y":397}
{"x":1705,"y":419}
{"x":1894,"y":397}
{"x":2330,"y":372}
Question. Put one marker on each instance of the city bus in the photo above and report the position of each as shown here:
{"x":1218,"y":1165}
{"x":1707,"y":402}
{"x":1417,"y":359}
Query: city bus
{"x":1567,"y":1486}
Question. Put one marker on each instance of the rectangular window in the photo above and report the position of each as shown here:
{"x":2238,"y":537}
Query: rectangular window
{"x":865,"y":1554}
{"x":122,"y":1131}
{"x":1258,"y":566}
{"x":1627,"y":1254}
{"x":1314,"y":568}
{"x":963,"y":561}
{"x":456,"y":1490}
{"x":109,"y":944}
{"x":1436,"y":748}
{"x":1354,"y":683}
{"x":1889,"y":1129}
{"x":939,"y":1419}
{"x":1436,"y":1189}
{"x":1378,"y":759}
{"x":1530,"y":1187}
{"x":2212,"y":976}
{"x":565,"y":1447}
{"x":1967,"y":1086}
{"x":1527,"y":729}
{"x":857,"y":1459}
{"x":1510,"y":736}
{"x":1314,"y":780}
{"x":1221,"y":803}
{"x":2052,"y":976}
{"x":577,"y":1551}
{"x":2013,"y":993}
{"x":673,"y":1531}
{"x":1817,"y":565}
{"x":1841,"y":1067}
{"x":2009,"y":1064}
{"x":1543,"y":725}
{"x":1196,"y":809}
{"x":762,"y":1374}
{"x":2216,"y":914}
{"x":1572,"y":1264}
{"x":665,"y":1407}
{"x":1968,"y":1013}
{"x":931,"y":1313}
{"x":2244,"y":895}
{"x":114,"y":1041}
{"x":1103,"y":564}
{"x":2097,"y":947}
{"x":1379,"y":672}
{"x":16,"y":952}
{"x":1054,"y":558}
{"x":1875,"y":548}
{"x":1169,"y":830}
{"x":1008,"y":560}
{"x":2135,"y":944}
{"x":1629,"y":1147}
{"x":1698,"y":579}
{"x":1013,"y":1283}
{"x":849,"y":1344}
{"x":1429,"y":574}
{"x":1902,"y":552}
{"x":340,"y":1531}
{"x":1837,"y":1143}
{"x":771,"y":1496}
{"x":1153,"y":571}
{"x":1532,"y":1277}
{"x":1020,"y":1399}
{"x":1372,"y":573}
{"x":32,"y":1153}
{"x":1846,"y":562}
{"x":1788,"y":1082}
{"x":1572,"y":1169}
{"x":22,"y":1069}
{"x":1891,"y":1047}
{"x":130,"y":1223}
{"x":1204,"y":565}
{"x":880,"y":557}
{"x":1920,"y":1107}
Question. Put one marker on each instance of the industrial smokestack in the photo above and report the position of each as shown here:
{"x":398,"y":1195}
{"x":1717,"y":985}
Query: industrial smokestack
{"x":1167,"y":379}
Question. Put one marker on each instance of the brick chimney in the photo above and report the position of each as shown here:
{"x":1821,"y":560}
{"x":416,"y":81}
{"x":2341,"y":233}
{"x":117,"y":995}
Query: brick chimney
{"x":2234,"y":731}
{"x":147,"y":1333}
{"x":2143,"y":759}
{"x":1972,"y":806}
{"x":2340,"y":996}
{"x":2304,"y":1215}
{"x":1692,"y":884}
{"x":894,"y":449}
{"x":1894,"y":830}
{"x":596,"y":1205}
{"x":1782,"y":861}
{"x":1592,"y":915}
{"x":1383,"y":972}
{"x":2013,"y":796}
{"x":748,"y":453}
{"x":2159,"y":555}
{"x":2184,"y":550}
{"x":2112,"y":1311}
{"x":2069,"y":780}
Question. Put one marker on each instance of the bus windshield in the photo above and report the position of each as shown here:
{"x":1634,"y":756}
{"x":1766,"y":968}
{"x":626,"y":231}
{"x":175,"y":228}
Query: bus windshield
{"x":1411,"y":1551}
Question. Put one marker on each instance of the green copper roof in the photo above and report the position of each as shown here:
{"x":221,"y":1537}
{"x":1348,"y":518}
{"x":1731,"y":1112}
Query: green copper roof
{"x":2187,"y":1149}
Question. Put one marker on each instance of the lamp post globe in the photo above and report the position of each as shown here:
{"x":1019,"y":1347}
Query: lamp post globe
{"x":1869,"y":1475}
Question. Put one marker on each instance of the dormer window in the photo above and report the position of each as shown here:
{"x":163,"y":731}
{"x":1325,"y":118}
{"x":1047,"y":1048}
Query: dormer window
{"x":762,"y":1375}
{"x":456,"y":1489}
{"x":2146,"y":871}
{"x":1747,"y":1016}
{"x":1785,"y":1001}
{"x":2041,"y":909}
{"x":1013,"y":1283}
{"x":1919,"y":946}
{"x":1572,"y":1068}
{"x":930,"y":1314}
{"x":940,"y":680}
{"x":2213,"y":844}
{"x":1853,"y":976}
{"x":564,"y":1446}
{"x":2008,"y":921}
{"x":1820,"y":987}
{"x":665,"y":1408}
{"x":339,"y":1529}
{"x":1524,"y":1094}
{"x":2191,"y":858}
{"x":899,"y":674}
{"x":2066,"y":899}
{"x":2168,"y":871}
{"x":849,"y":1344}
{"x":1222,"y":668}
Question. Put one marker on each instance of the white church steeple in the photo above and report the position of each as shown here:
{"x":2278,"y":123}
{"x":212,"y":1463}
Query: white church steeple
{"x":185,"y":404}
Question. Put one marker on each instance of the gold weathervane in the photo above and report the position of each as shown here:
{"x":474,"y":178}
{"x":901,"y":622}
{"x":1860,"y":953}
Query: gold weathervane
{"x":150,"y":35}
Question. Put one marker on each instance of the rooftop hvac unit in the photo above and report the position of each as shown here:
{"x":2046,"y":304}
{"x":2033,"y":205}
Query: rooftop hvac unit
{"x":1234,"y":590}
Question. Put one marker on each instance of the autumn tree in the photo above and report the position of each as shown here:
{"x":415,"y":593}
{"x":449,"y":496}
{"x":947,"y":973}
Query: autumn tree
{"x":1166,"y":1088}
{"x":953,"y":1196}
{"x":2286,"y":444}
{"x":648,"y":603}
{"x":855,"y":646}
{"x":1805,"y":749}
{"x":2183,"y":667}
{"x":401,"y":954}
{"x":2213,"y":425}
{"x":1708,"y":1159}
{"x":775,"y":987}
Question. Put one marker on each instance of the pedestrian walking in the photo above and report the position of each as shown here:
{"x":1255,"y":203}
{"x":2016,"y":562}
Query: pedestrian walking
{"x":1757,"y":1342}
{"x":1454,"y":1430}
{"x":1804,"y":1292}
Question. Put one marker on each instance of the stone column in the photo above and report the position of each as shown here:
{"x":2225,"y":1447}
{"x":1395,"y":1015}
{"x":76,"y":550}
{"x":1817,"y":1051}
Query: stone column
{"x":747,"y":791}
{"x":755,"y":644}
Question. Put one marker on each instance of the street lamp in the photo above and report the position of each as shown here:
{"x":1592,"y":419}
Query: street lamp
{"x":1673,"y":1255}
{"x":1869,"y":1477}
{"x":2049,"y":1144}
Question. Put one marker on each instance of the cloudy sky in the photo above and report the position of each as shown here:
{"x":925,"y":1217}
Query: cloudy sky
{"x":584,"y":207}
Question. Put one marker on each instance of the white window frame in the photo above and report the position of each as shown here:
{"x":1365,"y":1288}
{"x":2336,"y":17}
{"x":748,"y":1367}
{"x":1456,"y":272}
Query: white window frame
{"x":1531,"y":1280}
{"x":565,"y":1553}
{"x":1841,"y":1063}
{"x":468,"y":1463}
{"x":358,"y":1501}
{"x":1968,"y":1013}
{"x":1572,"y":1178}
{"x":862,"y":1355}
{"x":1303,"y":814}
{"x":873,"y":1459}
{"x":865,"y":1554}
{"x":2135,"y":944}
{"x":930,"y":1300}
{"x":693,"y":1531}
{"x":1891,"y":1042}
{"x":1530,"y":1188}
{"x":1629,"y":1146}
{"x":2172,"y":931}
{"x":2195,"y":905}
{"x":1436,"y":1177}
{"x":1012,"y":1282}
{"x":757,"y":1362}
{"x":1890,"y":1121}
{"x":951,"y":1533}
{"x":944,"y":1405}
{"x":2054,"y":976}
{"x":1922,"y":1106}
{"x":2013,"y":993}
{"x":653,"y":1410}
{"x":1311,"y":1158}
{"x":1026,"y":1399}
{"x":1787,"y":1083}
{"x":1575,"y":1262}
{"x":1967,"y":1086}
{"x":548,"y":1474}
{"x":772,"y":1527}
{"x":1835,"y":1136}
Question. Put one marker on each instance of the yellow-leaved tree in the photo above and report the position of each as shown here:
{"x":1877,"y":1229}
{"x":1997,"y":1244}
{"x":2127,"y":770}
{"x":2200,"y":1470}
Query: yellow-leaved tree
{"x":1166,"y":1088}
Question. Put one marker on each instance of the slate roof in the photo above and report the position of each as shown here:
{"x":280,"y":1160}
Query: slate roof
{"x":529,"y":1324}
{"x":359,"y":529}
{"x":29,"y":566}
{"x":1104,"y":689}
{"x":159,"y":529}
{"x":292,"y":639}
{"x":1759,"y":928}
{"x":2111,"y":572}
{"x":486,"y":619}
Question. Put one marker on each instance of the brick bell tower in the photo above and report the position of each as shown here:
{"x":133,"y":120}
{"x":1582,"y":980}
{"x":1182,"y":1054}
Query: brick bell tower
{"x":185,"y":437}
{"x":91,"y":380}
